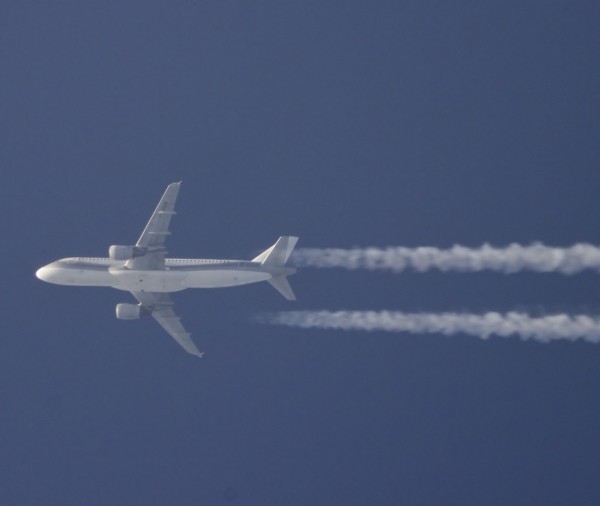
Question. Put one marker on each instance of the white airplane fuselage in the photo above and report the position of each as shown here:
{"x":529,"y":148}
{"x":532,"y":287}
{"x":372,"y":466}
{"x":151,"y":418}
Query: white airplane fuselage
{"x":179,"y":274}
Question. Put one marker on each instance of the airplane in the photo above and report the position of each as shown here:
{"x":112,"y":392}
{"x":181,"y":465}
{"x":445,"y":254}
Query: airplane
{"x":144,"y":270}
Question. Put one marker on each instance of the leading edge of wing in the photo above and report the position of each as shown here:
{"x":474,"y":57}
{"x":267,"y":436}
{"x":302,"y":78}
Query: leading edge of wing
{"x":161,"y":308}
{"x":157,"y":228}
{"x":152,"y":240}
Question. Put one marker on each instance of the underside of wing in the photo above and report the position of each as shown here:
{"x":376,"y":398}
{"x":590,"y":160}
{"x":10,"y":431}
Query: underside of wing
{"x":169,"y":321}
{"x":152,"y":241}
{"x":160,"y":307}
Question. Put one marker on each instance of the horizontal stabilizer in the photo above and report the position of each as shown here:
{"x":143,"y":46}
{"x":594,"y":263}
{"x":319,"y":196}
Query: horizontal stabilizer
{"x":279,"y":253}
{"x":282,"y":285}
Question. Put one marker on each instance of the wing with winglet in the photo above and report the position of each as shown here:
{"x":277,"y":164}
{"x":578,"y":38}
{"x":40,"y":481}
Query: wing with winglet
{"x":160,"y":305}
{"x":151,"y":243}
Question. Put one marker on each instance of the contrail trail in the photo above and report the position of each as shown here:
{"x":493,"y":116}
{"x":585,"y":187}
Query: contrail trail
{"x":543,"y":329}
{"x":513,"y":258}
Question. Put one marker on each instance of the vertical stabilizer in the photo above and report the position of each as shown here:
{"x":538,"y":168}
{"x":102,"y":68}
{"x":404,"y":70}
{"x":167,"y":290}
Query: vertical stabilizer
{"x":278,"y":254}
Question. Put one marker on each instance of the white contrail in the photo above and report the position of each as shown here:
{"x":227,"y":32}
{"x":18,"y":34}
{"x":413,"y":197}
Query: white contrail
{"x":513,"y":258}
{"x":543,"y":329}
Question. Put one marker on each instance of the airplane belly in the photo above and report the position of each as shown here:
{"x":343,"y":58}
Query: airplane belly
{"x":218,"y":278}
{"x":147,"y":281}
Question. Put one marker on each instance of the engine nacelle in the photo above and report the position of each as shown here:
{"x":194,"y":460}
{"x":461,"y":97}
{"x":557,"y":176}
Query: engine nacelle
{"x":121,"y":253}
{"x":128,"y":311}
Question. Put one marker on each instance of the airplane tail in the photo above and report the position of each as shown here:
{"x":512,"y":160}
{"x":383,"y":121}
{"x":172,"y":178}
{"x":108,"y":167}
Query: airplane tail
{"x":282,"y":285}
{"x":277,"y":256}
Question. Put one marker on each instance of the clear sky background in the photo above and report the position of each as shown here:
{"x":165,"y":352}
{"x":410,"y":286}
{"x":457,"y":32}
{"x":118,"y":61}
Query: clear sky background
{"x":345,"y":123}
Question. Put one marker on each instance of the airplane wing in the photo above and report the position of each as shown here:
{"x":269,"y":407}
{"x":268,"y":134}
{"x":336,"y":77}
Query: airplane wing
{"x":152,"y":240}
{"x":160,"y":306}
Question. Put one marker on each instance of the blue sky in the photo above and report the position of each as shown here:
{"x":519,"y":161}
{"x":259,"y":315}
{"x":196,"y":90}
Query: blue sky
{"x":347,"y":124}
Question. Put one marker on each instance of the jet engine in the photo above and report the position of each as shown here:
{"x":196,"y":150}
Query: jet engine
{"x":128,"y":311}
{"x":122,"y":253}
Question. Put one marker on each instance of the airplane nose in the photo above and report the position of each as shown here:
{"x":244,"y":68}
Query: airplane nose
{"x":43,"y":273}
